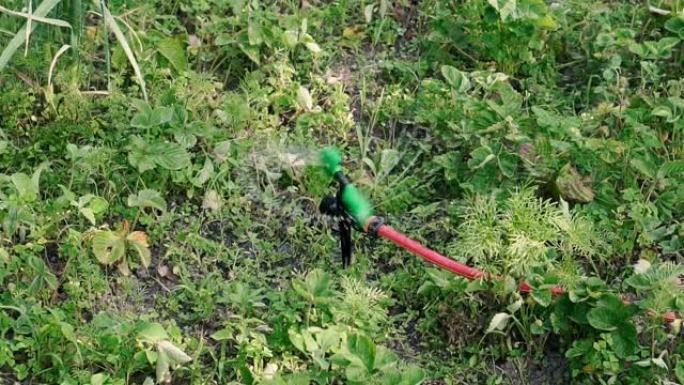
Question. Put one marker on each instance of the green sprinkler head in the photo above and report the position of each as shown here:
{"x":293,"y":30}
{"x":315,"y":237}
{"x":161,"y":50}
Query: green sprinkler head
{"x":353,"y":203}
{"x":331,"y":160}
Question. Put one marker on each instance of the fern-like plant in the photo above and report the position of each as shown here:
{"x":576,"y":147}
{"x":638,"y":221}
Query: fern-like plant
{"x":360,"y":305}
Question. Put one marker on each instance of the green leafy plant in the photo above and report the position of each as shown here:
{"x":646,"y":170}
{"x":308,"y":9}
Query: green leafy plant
{"x":114,"y":246}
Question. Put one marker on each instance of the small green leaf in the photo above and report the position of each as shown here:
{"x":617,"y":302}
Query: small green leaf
{"x":662,"y":111}
{"x":168,"y":356}
{"x":97,"y":379}
{"x":152,"y":332}
{"x":137,"y":240}
{"x":222,"y":335}
{"x":304,"y":99}
{"x":290,"y":39}
{"x":98,"y":205}
{"x":174,"y":51}
{"x":139,"y":155}
{"x":498,"y":322}
{"x":574,"y":187}
{"x":147,"y":198}
{"x":68,"y":332}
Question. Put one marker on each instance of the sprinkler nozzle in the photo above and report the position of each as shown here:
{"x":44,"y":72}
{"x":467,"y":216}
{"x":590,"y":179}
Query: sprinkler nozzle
{"x":331,"y":160}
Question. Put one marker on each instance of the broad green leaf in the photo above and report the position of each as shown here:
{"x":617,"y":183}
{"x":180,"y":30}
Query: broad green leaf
{"x":315,"y":288}
{"x":645,"y":167}
{"x":456,"y":79}
{"x":98,"y":205}
{"x":297,"y":340}
{"x":108,"y":246}
{"x":252,"y":53}
{"x":25,"y":188}
{"x":679,"y":371}
{"x":170,"y":156}
{"x":665,"y":46}
{"x":671,"y":168}
{"x":610,"y":313}
{"x":542,"y":296}
{"x":625,"y":340}
{"x":412,"y":375}
{"x":363,"y":348}
{"x":172,"y":49}
{"x":662,"y":111}
{"x":147,"y":198}
{"x":255,"y":32}
{"x":676,"y":25}
{"x":498,"y":322}
{"x":480,"y":157}
{"x":148,"y":117}
{"x":389,"y":158}
{"x":88,"y":214}
{"x":152,"y":332}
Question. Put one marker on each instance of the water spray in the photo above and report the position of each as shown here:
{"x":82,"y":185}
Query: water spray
{"x":354,"y":211}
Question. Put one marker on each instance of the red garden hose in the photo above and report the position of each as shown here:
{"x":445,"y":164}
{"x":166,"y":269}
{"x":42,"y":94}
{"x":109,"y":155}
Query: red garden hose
{"x":457,"y":268}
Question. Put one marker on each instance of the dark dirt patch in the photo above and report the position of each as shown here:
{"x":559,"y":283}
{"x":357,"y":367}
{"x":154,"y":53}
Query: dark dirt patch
{"x":553,"y":370}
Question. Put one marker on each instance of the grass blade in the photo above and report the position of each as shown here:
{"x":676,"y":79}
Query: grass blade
{"x":76,"y":23}
{"x":29,"y":28}
{"x":114,"y":27}
{"x":54,"y":63}
{"x":20,"y":37}
{"x":33,"y":17}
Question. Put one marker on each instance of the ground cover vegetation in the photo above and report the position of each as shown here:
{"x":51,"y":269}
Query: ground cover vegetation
{"x":159,"y":191}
